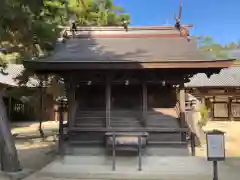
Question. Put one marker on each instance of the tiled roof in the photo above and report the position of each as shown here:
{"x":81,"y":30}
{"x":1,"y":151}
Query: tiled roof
{"x":235,"y":53}
{"x":137,"y":49}
{"x":116,"y":45}
{"x":11,"y":72}
{"x":227,"y":77}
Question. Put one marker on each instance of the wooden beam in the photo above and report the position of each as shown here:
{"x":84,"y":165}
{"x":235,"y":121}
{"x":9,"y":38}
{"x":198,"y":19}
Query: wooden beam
{"x":119,"y":64}
{"x":135,"y":129}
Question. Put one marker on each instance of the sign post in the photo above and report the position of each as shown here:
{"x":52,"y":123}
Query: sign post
{"x":215,"y":149}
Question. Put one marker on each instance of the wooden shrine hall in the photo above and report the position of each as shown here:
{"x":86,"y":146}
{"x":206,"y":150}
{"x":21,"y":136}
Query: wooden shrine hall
{"x":125,"y":88}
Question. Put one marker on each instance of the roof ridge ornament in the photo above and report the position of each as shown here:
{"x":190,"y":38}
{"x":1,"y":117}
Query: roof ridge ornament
{"x":183,"y":30}
{"x":125,"y":24}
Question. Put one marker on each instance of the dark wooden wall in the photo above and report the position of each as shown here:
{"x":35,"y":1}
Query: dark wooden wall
{"x":92,"y":97}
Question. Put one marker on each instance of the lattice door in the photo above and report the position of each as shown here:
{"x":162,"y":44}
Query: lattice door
{"x":220,"y":110}
{"x":236,"y":110}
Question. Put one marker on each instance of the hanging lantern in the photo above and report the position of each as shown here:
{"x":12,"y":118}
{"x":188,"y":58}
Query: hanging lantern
{"x":163,"y":83}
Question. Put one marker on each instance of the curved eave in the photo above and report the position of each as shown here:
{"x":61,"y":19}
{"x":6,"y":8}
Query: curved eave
{"x":108,"y":65}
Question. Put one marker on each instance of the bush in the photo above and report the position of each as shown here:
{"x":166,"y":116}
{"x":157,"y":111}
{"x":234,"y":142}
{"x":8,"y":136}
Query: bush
{"x":204,"y":111}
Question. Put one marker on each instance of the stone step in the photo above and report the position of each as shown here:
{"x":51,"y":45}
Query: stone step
{"x":165,"y":137}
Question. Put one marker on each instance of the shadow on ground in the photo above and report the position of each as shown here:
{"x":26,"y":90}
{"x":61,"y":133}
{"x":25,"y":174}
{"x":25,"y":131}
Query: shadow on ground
{"x":34,"y":154}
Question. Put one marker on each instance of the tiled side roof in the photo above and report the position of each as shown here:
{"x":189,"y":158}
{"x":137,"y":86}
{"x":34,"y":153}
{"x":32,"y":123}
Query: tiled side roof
{"x":11,"y":72}
{"x":235,"y":53}
{"x":227,"y":77}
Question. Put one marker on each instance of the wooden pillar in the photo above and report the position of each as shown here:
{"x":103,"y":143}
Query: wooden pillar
{"x":61,"y":119}
{"x":182,"y":109}
{"x":9,"y":107}
{"x":203,"y":100}
{"x":230,"y":115}
{"x":182,"y":104}
{"x":144,"y":103}
{"x":108,"y":102}
{"x":72,"y":104}
{"x":212,"y":107}
{"x":41,"y":91}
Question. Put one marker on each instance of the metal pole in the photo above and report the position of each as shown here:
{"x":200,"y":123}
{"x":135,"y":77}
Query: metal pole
{"x":215,"y":170}
{"x":139,"y":154}
{"x":113,"y":152}
{"x":192,"y":139}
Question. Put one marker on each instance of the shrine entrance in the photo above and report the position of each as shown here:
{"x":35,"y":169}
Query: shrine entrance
{"x":126,"y":97}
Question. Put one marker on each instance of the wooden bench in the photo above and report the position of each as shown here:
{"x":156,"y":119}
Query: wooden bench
{"x":126,"y":141}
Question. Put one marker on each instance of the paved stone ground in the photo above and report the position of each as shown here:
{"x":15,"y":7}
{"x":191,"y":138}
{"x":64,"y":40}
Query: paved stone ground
{"x":232,"y":135}
{"x":35,"y":154}
{"x":161,"y":168}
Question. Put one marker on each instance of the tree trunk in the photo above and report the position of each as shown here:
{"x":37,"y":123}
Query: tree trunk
{"x":8,"y":152}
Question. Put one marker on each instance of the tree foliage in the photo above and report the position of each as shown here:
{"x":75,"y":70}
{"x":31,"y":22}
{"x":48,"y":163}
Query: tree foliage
{"x":29,"y":28}
{"x":26,"y":23}
{"x":97,"y":12}
{"x":208,"y":45}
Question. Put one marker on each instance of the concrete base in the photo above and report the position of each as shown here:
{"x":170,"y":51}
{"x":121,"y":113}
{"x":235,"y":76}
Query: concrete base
{"x":154,"y":167}
{"x":150,"y":151}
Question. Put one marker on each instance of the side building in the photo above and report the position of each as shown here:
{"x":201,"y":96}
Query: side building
{"x":220,"y":93}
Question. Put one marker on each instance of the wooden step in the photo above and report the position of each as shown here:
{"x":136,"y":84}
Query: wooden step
{"x":90,"y":125}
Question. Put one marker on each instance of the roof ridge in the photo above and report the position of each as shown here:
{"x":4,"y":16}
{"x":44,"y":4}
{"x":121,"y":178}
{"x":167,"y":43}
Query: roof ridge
{"x":120,"y":28}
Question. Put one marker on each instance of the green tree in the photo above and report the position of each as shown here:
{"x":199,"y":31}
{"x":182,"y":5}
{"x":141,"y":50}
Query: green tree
{"x":29,"y":29}
{"x":210,"y":47}
{"x":97,"y":12}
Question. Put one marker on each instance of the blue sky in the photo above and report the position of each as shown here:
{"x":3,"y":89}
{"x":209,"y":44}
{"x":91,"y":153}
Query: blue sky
{"x":219,"y":19}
